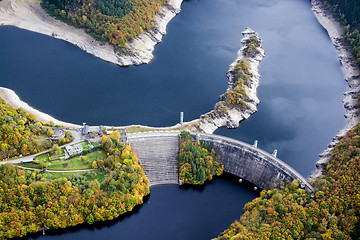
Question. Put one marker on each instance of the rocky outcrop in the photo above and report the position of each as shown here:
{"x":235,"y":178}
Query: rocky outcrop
{"x":351,"y":74}
{"x":231,"y":116}
{"x":140,"y":50}
{"x":29,"y":15}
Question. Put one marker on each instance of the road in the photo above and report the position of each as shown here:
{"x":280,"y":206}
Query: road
{"x":77,"y":138}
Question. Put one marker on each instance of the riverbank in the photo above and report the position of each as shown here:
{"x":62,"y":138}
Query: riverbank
{"x":351,"y":76}
{"x":29,"y":15}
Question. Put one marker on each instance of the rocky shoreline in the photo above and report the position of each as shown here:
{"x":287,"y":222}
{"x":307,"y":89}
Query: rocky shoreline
{"x":351,"y":75}
{"x":223,"y":115}
{"x":29,"y":15}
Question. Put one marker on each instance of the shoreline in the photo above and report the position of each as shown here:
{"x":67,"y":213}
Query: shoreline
{"x":207,"y":122}
{"x":351,"y":76}
{"x":29,"y":15}
{"x":11,"y":98}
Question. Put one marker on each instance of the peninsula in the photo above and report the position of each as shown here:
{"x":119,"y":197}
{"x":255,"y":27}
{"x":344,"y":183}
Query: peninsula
{"x":31,"y":16}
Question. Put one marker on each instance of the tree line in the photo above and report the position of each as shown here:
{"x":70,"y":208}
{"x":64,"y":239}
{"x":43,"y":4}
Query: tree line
{"x":112,"y":21}
{"x":348,"y":14}
{"x":29,"y":201}
{"x":197,"y":161}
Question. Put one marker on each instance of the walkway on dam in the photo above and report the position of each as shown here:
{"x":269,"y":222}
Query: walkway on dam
{"x":157,"y":153}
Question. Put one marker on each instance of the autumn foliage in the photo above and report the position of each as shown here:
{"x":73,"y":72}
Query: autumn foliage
{"x":112,"y":21}
{"x":197,"y":161}
{"x":241,"y":77}
{"x":29,"y":201}
{"x":291,"y":213}
{"x":20,"y":133}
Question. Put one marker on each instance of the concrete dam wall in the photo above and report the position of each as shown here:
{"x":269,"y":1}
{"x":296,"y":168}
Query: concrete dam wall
{"x":157,"y":153}
{"x":251,"y":163}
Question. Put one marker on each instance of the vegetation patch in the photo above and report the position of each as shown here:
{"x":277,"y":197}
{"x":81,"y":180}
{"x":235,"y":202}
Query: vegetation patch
{"x":20,"y":133}
{"x":197,"y":161}
{"x":33,"y":200}
{"x":241,"y":77}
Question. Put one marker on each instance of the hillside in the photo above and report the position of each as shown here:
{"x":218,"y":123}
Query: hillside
{"x":20,"y":133}
{"x":112,"y":21}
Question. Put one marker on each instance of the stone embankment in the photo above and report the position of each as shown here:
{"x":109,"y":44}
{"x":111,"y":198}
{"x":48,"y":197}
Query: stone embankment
{"x":231,"y":116}
{"x":157,"y":153}
{"x":351,"y":75}
{"x":29,"y":15}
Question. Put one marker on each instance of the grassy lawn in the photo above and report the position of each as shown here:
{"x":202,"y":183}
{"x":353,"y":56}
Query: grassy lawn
{"x":100,"y":175}
{"x":85,"y":146}
{"x":75,"y":163}
{"x":42,"y":157}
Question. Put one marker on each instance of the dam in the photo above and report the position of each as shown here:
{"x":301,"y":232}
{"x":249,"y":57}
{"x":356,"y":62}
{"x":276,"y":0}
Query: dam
{"x":157,"y":153}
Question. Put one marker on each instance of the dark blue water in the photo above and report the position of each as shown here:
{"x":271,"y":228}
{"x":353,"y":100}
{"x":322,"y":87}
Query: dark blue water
{"x":300,"y":89}
{"x":172,"y":213}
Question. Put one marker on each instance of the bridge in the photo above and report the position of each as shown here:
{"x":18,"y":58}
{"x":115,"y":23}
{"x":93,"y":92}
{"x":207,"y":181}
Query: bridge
{"x":157,"y":153}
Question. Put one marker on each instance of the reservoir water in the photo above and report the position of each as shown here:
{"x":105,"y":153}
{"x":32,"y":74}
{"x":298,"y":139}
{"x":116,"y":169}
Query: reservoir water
{"x":300,"y":91}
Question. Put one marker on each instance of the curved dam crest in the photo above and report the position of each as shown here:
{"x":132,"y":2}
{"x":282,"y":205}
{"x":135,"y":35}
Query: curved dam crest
{"x":157,"y":153}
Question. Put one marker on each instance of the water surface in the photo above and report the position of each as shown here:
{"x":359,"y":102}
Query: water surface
{"x":300,"y":91}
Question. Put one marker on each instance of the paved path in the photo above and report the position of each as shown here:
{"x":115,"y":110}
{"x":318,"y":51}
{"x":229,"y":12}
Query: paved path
{"x":59,"y":171}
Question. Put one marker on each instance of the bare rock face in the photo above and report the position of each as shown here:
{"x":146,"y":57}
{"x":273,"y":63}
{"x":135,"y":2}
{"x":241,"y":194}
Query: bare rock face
{"x":231,"y":116}
{"x":140,"y":50}
{"x":351,"y":75}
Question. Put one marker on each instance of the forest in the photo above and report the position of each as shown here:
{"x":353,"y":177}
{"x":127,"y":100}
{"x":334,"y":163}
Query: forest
{"x":348,"y":13}
{"x":32,"y":200}
{"x":197,"y":161}
{"x":292,"y":213}
{"x":20,"y":133}
{"x":112,"y":21}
